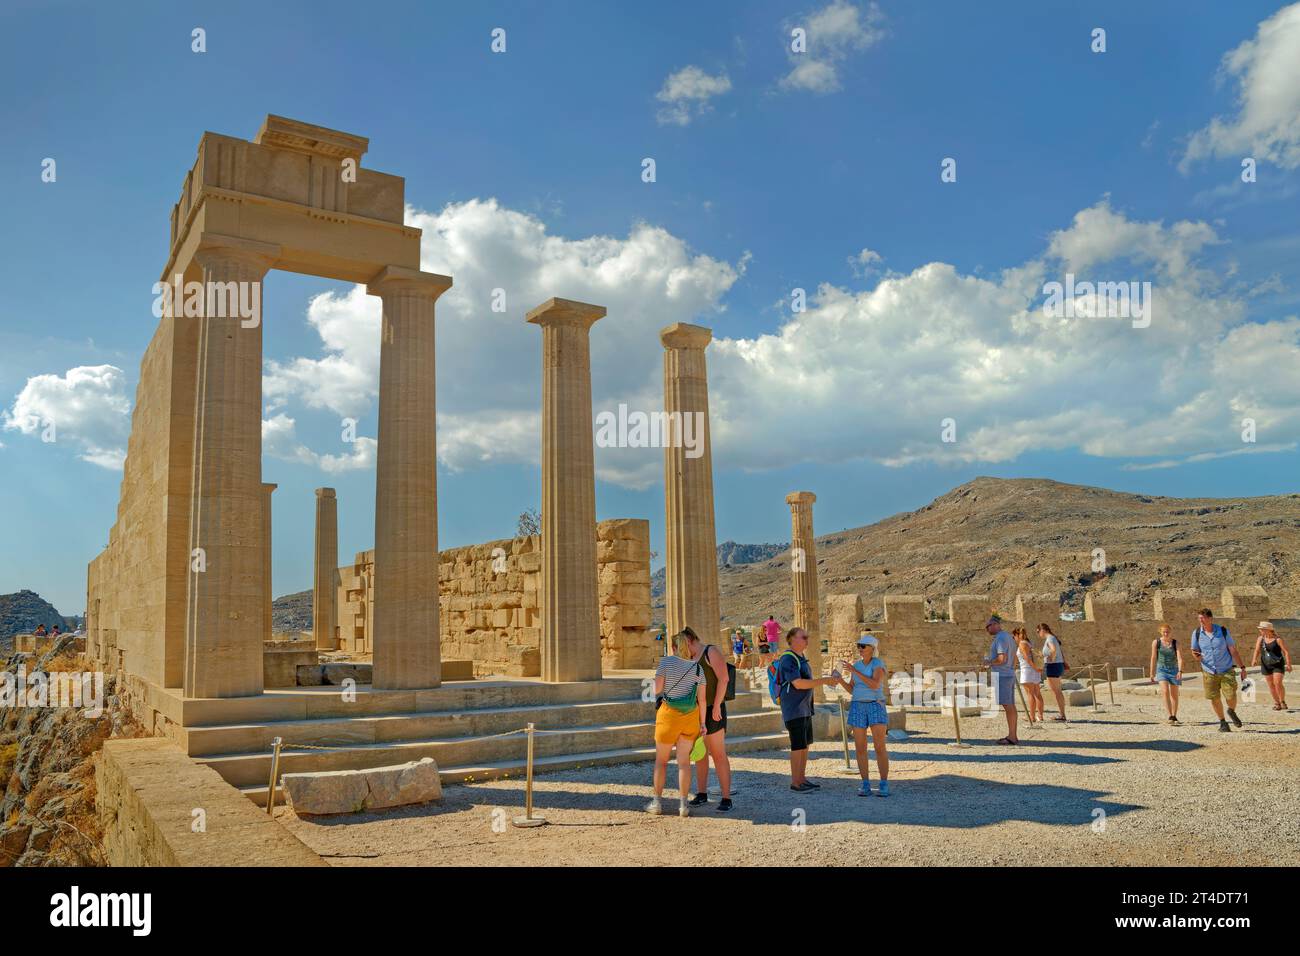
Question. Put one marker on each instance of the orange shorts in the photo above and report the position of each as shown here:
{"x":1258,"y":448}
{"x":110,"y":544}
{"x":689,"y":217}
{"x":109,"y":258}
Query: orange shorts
{"x":670,"y":725}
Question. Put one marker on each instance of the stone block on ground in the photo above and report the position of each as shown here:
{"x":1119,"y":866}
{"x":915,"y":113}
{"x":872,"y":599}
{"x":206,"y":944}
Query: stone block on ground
{"x":353,"y":791}
{"x":1129,"y":673}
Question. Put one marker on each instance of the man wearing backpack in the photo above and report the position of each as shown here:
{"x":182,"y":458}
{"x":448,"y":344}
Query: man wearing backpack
{"x":1217,"y":651}
{"x":793,"y":681}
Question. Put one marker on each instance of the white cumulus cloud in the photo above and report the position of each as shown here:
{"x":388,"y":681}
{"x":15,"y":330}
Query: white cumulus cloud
{"x":86,"y":408}
{"x":1266,"y":72}
{"x":833,"y":33}
{"x":686,"y":93}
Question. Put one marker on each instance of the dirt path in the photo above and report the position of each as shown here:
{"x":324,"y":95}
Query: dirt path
{"x":1117,"y":788}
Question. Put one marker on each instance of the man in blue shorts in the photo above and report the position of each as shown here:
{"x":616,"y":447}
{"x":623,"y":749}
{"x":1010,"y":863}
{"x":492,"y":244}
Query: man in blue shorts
{"x":1001,"y":663}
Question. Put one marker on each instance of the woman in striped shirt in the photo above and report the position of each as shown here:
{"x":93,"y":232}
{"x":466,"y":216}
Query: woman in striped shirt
{"x":679,"y":719}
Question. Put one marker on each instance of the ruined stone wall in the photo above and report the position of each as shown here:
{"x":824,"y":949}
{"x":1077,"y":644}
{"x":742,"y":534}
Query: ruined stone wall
{"x":135,"y":595}
{"x":488,"y":601}
{"x":1112,"y":632}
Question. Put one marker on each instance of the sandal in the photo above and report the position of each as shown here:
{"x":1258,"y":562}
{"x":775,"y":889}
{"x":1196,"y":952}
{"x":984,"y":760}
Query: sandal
{"x":1007,"y":742}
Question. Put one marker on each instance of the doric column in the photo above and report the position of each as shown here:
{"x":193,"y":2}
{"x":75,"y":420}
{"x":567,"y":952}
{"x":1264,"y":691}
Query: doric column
{"x":568,"y":597}
{"x":267,"y":596}
{"x":691,"y":573}
{"x":324,"y":594}
{"x":803,"y":568}
{"x":405,"y":638}
{"x":224,"y":614}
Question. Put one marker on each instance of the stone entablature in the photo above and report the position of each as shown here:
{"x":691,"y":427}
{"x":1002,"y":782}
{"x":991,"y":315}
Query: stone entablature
{"x":489,"y":608}
{"x":1112,"y":630}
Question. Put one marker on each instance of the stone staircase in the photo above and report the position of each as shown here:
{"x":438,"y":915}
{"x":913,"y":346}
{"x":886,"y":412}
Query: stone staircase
{"x":460,"y":725}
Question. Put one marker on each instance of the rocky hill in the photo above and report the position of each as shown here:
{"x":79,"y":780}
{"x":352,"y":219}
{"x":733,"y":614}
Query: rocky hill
{"x":1005,"y":537}
{"x":292,"y":612}
{"x":23,"y":610}
{"x":729,"y":552}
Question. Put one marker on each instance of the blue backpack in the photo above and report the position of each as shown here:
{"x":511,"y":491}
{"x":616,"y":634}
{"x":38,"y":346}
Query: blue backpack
{"x":774,"y":682}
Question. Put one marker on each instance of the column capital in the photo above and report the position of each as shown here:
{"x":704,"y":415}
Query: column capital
{"x":215,"y":248}
{"x":800,"y":498}
{"x":681,"y":335}
{"x":566,"y":312}
{"x":401,"y":279}
{"x":324,"y":492}
{"x":269,"y":487}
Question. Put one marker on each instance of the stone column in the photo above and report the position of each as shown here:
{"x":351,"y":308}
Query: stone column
{"x":405,"y":639}
{"x":691,"y":573}
{"x":803,"y":568}
{"x":224,"y":613}
{"x":324,"y":594}
{"x":267,"y":596}
{"x":569,"y":604}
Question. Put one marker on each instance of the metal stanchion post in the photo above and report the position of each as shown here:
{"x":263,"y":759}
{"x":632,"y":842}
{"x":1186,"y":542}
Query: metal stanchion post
{"x":528,"y":820}
{"x":1092,"y":686}
{"x":275,"y":773}
{"x":1109,"y":685}
{"x":956,"y":717}
{"x":844,"y":735}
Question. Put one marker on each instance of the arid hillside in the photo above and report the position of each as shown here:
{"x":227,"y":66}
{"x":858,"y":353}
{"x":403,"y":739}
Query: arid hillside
{"x":1006,"y":537}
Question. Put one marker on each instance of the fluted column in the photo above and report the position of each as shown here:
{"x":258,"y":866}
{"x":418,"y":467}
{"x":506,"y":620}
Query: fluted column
{"x":691,"y":572}
{"x":405,"y":642}
{"x":324,"y":594}
{"x":803,"y":565}
{"x":569,"y":609}
{"x":267,"y":597}
{"x":224,"y":614}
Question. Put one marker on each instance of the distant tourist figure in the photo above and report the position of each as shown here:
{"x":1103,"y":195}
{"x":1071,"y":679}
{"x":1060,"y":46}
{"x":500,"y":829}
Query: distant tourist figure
{"x":1214,"y":647}
{"x":771,"y":641}
{"x":1053,"y":666}
{"x":40,"y":630}
{"x":1276,"y":662}
{"x":738,"y":646}
{"x":1167,"y":670}
{"x":791,"y":681}
{"x":54,"y":631}
{"x":1002,"y":651}
{"x":716,"y":679}
{"x":1031,"y":678}
{"x":867,"y":680}
{"x":679,"y":719}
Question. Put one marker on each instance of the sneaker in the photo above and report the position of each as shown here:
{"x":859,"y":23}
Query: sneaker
{"x":1224,"y":728}
{"x":724,"y":805}
{"x":865,"y":789}
{"x":684,"y":810}
{"x":655,"y":806}
{"x":804,"y":787}
{"x":1232,"y":714}
{"x":884,"y":788}
{"x":811,"y":785}
{"x":699,"y":799}
{"x":1175,"y":721}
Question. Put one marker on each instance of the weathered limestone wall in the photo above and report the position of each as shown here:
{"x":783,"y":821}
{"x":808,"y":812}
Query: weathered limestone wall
{"x":489,"y":601}
{"x":146,"y":793}
{"x":1111,"y":632}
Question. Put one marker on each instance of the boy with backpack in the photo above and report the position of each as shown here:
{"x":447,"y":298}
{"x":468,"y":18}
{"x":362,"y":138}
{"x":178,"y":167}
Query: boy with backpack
{"x":790,"y":683}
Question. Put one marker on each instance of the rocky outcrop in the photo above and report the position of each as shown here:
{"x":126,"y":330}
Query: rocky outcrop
{"x":23,"y":611}
{"x":47,"y":812}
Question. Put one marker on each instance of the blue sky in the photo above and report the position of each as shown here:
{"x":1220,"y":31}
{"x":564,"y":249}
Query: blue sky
{"x":774,"y":171}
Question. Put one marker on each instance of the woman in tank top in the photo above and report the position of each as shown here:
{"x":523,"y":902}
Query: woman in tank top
{"x":1167,"y":670}
{"x":1053,"y":666}
{"x":1276,"y":662}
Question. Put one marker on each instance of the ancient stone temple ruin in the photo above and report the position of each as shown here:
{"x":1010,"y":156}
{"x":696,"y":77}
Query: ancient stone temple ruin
{"x":551,"y":628}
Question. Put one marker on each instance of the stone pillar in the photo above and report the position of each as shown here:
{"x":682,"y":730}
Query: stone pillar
{"x":267,"y":596}
{"x":691,"y":573}
{"x":803,"y":567}
{"x":405,"y":638}
{"x":324,"y":594}
{"x":224,"y":614}
{"x":569,"y":606}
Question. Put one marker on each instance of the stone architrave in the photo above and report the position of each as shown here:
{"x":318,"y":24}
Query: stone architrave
{"x":691,"y":570}
{"x":568,"y":595}
{"x":324,"y":592}
{"x":803,"y":567}
{"x":405,"y":647}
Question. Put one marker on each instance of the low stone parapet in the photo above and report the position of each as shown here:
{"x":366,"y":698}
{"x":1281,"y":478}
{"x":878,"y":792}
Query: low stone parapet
{"x":160,"y":808}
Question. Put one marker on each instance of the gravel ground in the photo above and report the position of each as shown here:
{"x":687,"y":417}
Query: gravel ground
{"x":1119,"y":787}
